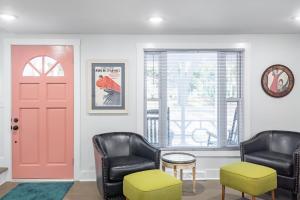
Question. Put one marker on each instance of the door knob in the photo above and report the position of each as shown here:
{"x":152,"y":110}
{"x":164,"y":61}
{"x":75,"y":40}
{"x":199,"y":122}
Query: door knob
{"x":15,"y":127}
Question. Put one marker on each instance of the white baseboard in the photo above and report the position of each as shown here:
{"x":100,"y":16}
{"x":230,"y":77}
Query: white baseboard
{"x":90,"y":175}
{"x":3,"y":177}
{"x":2,"y":161}
{"x":87,"y":175}
{"x":88,"y":180}
{"x":207,"y":174}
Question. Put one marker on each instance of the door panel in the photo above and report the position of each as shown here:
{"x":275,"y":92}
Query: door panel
{"x":56,"y":91}
{"x":42,"y":84}
{"x":56,"y":124}
{"x":29,"y":91}
{"x":29,"y":135}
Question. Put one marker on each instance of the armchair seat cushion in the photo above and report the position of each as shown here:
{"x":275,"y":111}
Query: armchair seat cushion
{"x":282,"y":163}
{"x":124,"y":165}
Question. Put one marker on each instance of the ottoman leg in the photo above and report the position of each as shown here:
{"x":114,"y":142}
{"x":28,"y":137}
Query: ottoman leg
{"x":223,"y":192}
{"x":175,"y":171}
{"x":181,"y":174}
{"x":194,"y":179}
{"x":273,"y":195}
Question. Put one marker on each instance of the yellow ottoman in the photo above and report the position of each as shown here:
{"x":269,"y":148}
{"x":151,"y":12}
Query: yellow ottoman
{"x":248,"y":178}
{"x":152,"y":185}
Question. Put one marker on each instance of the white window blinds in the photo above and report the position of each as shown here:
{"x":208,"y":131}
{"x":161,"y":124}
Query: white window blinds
{"x":194,"y":98}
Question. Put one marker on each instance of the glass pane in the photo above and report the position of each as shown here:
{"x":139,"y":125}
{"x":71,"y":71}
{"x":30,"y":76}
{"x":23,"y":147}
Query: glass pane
{"x":48,"y":63}
{"x":152,"y":95}
{"x":232,"y":123}
{"x":38,"y":63}
{"x":29,"y":71}
{"x":152,"y":74}
{"x":152,"y":122}
{"x":192,"y":98}
{"x":232,"y":75}
{"x":56,"y":71}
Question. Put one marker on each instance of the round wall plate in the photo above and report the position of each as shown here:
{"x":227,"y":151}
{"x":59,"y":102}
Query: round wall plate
{"x":277,"y":80}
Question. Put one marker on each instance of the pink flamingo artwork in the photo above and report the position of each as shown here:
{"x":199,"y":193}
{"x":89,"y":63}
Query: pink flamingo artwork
{"x":276,"y":75}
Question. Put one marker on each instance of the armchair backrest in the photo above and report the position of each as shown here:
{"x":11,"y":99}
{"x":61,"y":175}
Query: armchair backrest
{"x":281,"y":141}
{"x":113,"y":144}
{"x":117,"y":143}
{"x":284,"y":142}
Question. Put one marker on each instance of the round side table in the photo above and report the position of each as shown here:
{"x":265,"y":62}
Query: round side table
{"x":180,"y":161}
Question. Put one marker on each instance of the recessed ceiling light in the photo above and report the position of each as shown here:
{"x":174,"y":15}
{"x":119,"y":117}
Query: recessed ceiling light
{"x":155,"y":20}
{"x":7,"y":17}
{"x":297,"y":18}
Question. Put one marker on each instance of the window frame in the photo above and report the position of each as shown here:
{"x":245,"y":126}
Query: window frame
{"x":197,"y":43}
{"x":222,"y":101}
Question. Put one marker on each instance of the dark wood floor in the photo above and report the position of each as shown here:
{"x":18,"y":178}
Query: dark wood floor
{"x":206,"y":190}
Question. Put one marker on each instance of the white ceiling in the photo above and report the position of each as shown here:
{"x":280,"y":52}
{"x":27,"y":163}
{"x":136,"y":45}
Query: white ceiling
{"x":131,"y":16}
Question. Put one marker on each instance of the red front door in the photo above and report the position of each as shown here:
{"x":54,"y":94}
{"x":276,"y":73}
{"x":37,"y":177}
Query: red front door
{"x":42,"y":111}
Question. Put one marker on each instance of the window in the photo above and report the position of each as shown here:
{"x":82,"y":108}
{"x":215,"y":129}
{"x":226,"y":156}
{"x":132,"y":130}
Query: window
{"x":194,"y":98}
{"x":43,"y":65}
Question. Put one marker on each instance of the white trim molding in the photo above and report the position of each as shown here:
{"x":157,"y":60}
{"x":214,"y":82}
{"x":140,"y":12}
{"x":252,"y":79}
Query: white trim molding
{"x":8,"y":92}
{"x":1,"y":135}
{"x":88,"y":175}
{"x":210,"y":154}
{"x":3,"y":177}
{"x":140,"y":75}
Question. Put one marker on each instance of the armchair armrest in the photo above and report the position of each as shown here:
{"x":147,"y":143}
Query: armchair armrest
{"x":296,"y":164}
{"x":142,"y":148}
{"x":101,"y":165}
{"x":257,"y":143}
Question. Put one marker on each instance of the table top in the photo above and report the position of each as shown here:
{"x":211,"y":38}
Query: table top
{"x":178,"y":158}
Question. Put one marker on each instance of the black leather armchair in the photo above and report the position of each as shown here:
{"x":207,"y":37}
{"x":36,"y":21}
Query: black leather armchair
{"x":279,"y":150}
{"x":118,"y":154}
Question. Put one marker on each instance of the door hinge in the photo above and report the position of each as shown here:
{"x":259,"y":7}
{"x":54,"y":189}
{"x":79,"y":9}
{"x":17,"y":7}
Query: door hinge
{"x":73,"y":161}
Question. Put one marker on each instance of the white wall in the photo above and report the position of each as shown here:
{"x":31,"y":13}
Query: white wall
{"x":266,"y":112}
{"x":1,"y":100}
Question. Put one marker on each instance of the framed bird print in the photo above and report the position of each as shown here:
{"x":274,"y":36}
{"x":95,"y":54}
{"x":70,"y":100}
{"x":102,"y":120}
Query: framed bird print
{"x":108,"y":89}
{"x":277,"y":81}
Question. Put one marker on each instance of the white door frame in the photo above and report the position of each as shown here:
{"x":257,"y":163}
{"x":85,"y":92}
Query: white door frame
{"x":7,"y":94}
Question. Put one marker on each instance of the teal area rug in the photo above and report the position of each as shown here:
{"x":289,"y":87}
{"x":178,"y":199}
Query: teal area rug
{"x":39,"y":191}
